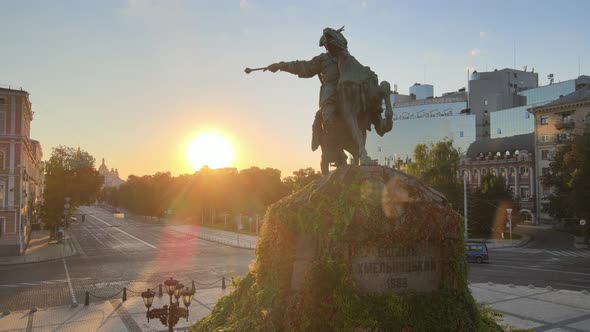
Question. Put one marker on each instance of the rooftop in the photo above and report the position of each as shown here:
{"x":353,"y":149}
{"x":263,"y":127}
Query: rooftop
{"x":501,"y":144}
{"x":576,"y":96}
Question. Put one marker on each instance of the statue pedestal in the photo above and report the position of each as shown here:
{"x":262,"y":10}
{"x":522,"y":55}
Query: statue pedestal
{"x":365,"y":248}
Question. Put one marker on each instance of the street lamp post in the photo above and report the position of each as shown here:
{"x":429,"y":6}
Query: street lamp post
{"x":509,"y":211}
{"x":169,"y":314}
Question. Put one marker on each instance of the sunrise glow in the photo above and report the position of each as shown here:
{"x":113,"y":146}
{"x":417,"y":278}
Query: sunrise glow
{"x":210,"y":149}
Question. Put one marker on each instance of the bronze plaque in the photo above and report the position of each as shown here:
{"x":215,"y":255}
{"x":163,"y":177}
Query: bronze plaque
{"x":394,"y":270}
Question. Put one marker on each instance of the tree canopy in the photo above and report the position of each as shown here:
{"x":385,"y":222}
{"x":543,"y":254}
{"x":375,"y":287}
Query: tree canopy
{"x":436,"y":165}
{"x":69,"y":172}
{"x":569,"y":181}
{"x":206,"y":193}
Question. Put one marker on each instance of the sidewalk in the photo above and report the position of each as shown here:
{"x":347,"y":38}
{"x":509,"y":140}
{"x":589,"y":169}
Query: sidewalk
{"x":40,"y":250}
{"x":535,"y":308}
{"x":113,"y":315}
{"x":540,"y":309}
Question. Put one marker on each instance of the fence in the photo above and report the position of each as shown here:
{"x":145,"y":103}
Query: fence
{"x":123,"y":292}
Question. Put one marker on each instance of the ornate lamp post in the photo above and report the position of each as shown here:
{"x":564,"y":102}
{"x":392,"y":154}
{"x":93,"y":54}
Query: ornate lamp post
{"x":169,"y":314}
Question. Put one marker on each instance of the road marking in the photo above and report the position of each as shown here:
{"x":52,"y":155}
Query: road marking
{"x":74,"y":302}
{"x":94,"y":236}
{"x":537,"y":269}
{"x":122,"y":231}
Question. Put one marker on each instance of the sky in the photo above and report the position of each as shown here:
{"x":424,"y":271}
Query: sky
{"x":132,"y":81}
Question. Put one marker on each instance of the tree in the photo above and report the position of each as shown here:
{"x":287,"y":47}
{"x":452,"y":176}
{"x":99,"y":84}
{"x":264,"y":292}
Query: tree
{"x":301,"y":178}
{"x":436,"y":165}
{"x":569,"y":181}
{"x":69,"y":172}
{"x":488,"y":204}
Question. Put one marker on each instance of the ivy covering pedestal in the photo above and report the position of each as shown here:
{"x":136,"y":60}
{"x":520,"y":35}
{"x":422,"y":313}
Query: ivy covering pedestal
{"x":376,"y":205}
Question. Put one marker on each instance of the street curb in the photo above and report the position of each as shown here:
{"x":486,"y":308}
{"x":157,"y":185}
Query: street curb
{"x":68,"y":243}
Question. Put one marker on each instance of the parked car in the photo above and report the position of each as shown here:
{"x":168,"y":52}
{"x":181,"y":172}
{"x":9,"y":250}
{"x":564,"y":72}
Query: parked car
{"x":477,"y":252}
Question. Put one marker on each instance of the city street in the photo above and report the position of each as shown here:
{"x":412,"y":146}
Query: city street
{"x":549,"y":259}
{"x":117,"y":253}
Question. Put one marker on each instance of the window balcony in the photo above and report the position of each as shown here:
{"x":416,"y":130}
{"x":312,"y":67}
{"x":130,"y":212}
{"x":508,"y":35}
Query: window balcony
{"x":564,"y":124}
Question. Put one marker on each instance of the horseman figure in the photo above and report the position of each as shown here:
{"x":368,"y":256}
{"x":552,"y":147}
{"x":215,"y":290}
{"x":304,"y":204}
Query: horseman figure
{"x":351,"y":101}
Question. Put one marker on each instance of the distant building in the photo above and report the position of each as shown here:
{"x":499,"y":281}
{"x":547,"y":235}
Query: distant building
{"x":556,"y":123}
{"x":21,"y":172}
{"x":111,"y":178}
{"x":423,"y":121}
{"x":497,"y":90}
{"x":422,"y":91}
{"x":511,"y":158}
{"x":518,"y":120}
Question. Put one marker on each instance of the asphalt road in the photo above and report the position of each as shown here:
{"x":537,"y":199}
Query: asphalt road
{"x":115,"y":253}
{"x":548,"y":260}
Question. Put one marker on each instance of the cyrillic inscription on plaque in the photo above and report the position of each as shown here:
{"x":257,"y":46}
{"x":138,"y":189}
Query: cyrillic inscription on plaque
{"x":387,"y":270}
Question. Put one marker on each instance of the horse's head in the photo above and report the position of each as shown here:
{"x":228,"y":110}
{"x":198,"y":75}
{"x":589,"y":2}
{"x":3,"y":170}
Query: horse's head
{"x":333,"y":40}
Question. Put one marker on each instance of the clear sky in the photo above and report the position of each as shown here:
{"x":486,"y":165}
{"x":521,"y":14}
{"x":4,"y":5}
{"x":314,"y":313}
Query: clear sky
{"x":133,"y":81}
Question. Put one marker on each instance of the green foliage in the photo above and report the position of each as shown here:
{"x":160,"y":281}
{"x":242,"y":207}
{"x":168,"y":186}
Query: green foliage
{"x":301,"y":178}
{"x":332,"y":213}
{"x":569,"y":180}
{"x":206,"y":193}
{"x":488,"y":204}
{"x":436,"y":165}
{"x":69,"y":172}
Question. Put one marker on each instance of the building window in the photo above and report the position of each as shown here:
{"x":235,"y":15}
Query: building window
{"x":1,"y":194}
{"x":2,"y":122}
{"x":566,"y":117}
{"x":461,"y":134}
{"x":498,"y":131}
{"x":524,"y":192}
{"x":485,"y":112}
{"x":485,"y":102}
{"x":545,"y":138}
{"x":484,"y":171}
{"x":546,"y":170}
{"x":563,"y":136}
{"x":544,"y":154}
{"x":494,"y":173}
{"x":2,"y":101}
{"x":503,"y":172}
{"x":544,"y":119}
{"x":524,"y":170}
{"x":527,"y":115}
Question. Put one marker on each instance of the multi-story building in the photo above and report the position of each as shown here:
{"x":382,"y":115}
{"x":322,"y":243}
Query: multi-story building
{"x":518,"y":120}
{"x":21,"y":172}
{"x":511,"y":158}
{"x":556,"y":123}
{"x":423,"y":121}
{"x":111,"y":178}
{"x":493,"y":91}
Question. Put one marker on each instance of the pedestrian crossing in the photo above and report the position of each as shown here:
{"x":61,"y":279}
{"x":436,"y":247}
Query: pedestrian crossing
{"x":561,"y":253}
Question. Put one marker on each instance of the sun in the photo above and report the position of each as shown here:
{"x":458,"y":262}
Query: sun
{"x":210,"y":149}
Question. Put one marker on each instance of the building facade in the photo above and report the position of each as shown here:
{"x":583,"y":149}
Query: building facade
{"x":518,"y":120}
{"x":423,"y":121}
{"x":21,"y":172}
{"x":493,"y":91}
{"x":111,"y":178}
{"x":555,"y":124}
{"x":511,"y":158}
